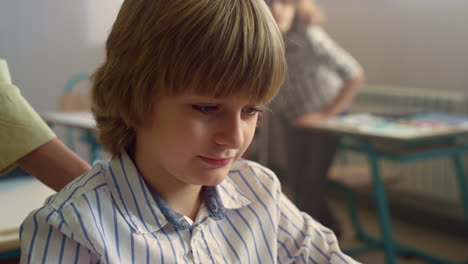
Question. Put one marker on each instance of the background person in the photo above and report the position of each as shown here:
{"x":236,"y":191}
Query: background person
{"x":321,"y":82}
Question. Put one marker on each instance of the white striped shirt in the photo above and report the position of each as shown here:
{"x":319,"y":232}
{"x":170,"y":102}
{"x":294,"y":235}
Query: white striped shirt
{"x":109,"y":215}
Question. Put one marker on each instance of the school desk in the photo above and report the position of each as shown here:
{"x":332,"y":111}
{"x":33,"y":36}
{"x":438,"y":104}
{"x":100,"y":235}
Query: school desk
{"x":81,"y":120}
{"x":377,"y":144}
{"x":19,"y":195}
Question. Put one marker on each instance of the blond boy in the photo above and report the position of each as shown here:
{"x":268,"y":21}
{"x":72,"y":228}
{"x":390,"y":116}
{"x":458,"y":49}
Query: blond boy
{"x":176,"y":103}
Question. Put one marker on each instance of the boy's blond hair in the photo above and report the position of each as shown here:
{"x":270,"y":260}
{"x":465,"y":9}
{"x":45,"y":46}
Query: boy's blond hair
{"x":165,"y":47}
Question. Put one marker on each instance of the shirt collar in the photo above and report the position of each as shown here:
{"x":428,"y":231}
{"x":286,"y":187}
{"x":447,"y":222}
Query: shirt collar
{"x":146,"y":211}
{"x":230,"y":194}
{"x":211,"y":201}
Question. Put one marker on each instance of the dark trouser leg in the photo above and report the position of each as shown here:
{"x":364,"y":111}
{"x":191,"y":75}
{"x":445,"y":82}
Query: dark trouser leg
{"x":310,"y":155}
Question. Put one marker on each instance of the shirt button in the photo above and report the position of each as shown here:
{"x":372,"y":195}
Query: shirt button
{"x":214,"y":205}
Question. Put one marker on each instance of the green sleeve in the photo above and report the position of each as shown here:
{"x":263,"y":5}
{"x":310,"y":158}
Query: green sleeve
{"x":21,"y":129}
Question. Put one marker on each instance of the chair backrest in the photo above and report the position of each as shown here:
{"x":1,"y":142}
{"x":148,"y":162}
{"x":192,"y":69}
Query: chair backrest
{"x":75,"y":100}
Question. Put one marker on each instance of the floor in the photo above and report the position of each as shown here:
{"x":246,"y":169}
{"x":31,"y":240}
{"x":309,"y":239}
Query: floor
{"x":450,"y":246}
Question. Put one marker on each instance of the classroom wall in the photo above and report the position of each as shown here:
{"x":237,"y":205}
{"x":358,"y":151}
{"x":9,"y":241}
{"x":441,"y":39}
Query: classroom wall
{"x":47,"y":41}
{"x":413,"y":43}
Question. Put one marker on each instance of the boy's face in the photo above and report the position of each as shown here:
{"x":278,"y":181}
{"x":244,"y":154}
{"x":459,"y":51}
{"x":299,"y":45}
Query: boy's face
{"x":194,"y":140}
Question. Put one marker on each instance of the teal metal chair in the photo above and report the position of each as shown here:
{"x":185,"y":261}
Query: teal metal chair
{"x":68,"y":89}
{"x":68,"y":103}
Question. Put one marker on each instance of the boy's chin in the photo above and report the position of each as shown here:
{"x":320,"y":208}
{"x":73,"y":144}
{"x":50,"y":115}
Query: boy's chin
{"x":216,"y":177}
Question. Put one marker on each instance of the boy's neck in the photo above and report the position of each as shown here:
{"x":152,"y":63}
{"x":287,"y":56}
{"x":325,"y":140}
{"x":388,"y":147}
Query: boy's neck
{"x":187,"y":202}
{"x":183,"y":198}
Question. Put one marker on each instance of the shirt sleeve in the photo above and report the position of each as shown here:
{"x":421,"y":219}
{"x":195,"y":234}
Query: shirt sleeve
{"x":21,"y":129}
{"x":332,"y":55}
{"x":45,"y":238}
{"x":301,"y":239}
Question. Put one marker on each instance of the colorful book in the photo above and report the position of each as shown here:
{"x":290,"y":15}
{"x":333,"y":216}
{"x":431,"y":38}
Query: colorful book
{"x":403,"y":126}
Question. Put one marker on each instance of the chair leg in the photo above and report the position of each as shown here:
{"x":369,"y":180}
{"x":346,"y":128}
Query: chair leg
{"x":93,"y":145}
{"x":352,"y":211}
{"x":383,"y":211}
{"x":370,"y":242}
{"x":70,"y":140}
{"x":463,"y":183}
{"x":8,"y":255}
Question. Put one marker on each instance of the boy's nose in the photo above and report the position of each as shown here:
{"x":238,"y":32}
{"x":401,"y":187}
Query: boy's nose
{"x":230,"y":133}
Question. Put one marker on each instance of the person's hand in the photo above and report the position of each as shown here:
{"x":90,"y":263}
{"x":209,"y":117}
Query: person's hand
{"x":311,"y":119}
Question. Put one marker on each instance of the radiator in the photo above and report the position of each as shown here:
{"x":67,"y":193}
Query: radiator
{"x":435,"y":178}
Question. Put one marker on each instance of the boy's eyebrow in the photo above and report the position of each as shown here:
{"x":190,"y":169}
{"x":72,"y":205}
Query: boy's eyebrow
{"x":264,"y":108}
{"x":216,"y":100}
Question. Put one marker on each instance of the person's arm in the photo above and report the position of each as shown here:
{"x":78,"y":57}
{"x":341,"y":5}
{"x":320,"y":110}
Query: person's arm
{"x":337,"y":60}
{"x":345,"y":97}
{"x":27,"y":141}
{"x":54,"y":164}
{"x":341,"y":102}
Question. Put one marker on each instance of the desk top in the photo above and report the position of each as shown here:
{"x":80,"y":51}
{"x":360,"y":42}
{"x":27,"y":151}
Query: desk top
{"x":78,"y":119}
{"x":421,"y":126}
{"x":18,"y":197}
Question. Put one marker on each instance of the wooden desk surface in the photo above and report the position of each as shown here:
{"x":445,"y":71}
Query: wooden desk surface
{"x":78,"y":119}
{"x":18,"y":197}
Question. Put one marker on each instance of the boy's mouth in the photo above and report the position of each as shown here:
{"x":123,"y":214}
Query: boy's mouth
{"x":215,"y":161}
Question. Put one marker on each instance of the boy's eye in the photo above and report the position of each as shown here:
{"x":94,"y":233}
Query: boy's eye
{"x":251,"y":110}
{"x":205,"y":108}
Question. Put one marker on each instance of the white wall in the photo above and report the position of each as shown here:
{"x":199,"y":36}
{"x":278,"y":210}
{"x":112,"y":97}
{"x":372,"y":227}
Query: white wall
{"x":415,"y":43}
{"x":47,"y":41}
